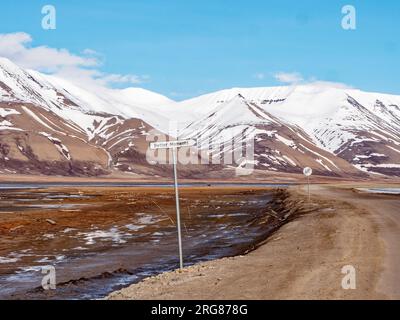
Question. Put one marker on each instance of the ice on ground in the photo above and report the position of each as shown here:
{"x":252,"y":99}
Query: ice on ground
{"x":4,"y":260}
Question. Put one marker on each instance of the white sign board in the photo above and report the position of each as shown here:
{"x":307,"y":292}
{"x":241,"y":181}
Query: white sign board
{"x":172,"y":144}
{"x":307,"y":171}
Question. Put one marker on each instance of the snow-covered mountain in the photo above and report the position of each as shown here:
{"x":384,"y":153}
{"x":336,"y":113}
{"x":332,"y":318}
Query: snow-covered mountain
{"x":278,"y":145}
{"x":51,"y":126}
{"x":359,"y":127}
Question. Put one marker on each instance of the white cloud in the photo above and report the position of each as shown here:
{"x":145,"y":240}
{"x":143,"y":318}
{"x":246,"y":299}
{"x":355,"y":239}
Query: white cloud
{"x":83,"y":69}
{"x":330,"y":84}
{"x":259,"y":76}
{"x":295,"y":78}
{"x":289,"y":77}
{"x":90,"y":52}
{"x":118,"y":78}
{"x":16,"y":47}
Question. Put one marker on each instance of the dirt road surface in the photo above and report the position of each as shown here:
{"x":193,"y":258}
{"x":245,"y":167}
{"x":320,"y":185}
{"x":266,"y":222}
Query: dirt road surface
{"x":302,"y":260}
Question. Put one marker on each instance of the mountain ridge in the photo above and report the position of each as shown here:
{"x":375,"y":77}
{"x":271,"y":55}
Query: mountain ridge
{"x":336,"y":131}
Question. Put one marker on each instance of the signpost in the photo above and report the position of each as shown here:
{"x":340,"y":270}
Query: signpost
{"x":174,"y":145}
{"x":308,"y":172}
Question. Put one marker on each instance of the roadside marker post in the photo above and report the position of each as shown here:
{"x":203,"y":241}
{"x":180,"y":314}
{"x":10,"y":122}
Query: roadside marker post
{"x":174,"y":145}
{"x":308,"y":172}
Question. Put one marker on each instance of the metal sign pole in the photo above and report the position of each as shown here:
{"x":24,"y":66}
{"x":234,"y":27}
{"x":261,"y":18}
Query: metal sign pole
{"x":178,"y":214}
{"x":174,"y":145}
{"x":309,"y":197}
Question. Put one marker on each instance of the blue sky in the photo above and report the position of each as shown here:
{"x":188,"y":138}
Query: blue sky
{"x":183,"y":48}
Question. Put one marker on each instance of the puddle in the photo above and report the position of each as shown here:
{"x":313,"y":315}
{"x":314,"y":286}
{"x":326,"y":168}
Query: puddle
{"x":8,"y":260}
{"x":381,"y":190}
{"x":119,"y":238}
{"x":53,"y":206}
